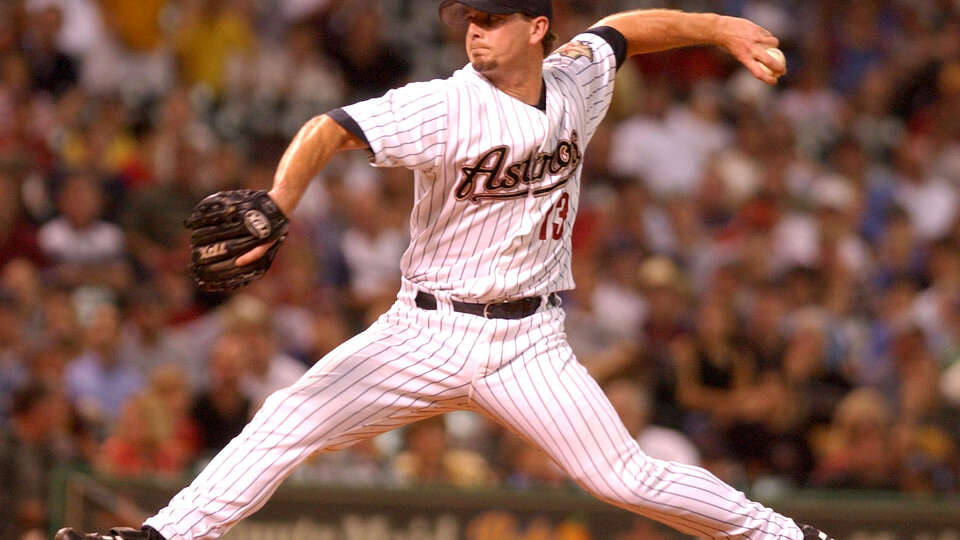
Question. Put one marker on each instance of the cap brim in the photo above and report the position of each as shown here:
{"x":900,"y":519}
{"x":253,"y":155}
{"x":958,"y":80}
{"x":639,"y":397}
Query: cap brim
{"x":453,"y":13}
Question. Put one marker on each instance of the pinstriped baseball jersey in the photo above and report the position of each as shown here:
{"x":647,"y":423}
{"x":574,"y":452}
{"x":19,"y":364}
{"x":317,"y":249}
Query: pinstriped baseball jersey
{"x":497,"y":181}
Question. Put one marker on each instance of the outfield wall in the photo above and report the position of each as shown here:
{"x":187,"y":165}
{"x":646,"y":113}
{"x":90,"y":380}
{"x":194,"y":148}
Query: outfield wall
{"x":301,"y":512}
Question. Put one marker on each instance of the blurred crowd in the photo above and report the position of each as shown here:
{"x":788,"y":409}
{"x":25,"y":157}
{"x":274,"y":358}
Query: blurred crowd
{"x":768,"y":279}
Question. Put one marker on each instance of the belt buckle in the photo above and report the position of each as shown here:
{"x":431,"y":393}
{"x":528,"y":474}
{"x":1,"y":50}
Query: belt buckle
{"x":486,"y":308}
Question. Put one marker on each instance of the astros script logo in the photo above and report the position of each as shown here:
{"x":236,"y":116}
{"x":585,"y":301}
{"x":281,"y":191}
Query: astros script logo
{"x":576,"y":49}
{"x":484,"y":181}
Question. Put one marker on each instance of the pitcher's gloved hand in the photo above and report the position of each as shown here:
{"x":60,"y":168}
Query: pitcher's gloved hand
{"x":226,"y":225}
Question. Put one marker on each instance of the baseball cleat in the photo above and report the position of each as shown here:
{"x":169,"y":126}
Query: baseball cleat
{"x":117,"y":533}
{"x":812,"y":533}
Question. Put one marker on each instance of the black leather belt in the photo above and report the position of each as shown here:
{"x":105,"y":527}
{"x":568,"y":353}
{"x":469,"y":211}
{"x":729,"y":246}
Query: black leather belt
{"x":514,"y":309}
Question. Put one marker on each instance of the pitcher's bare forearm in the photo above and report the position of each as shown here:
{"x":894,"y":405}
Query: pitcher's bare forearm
{"x":652,"y":30}
{"x":309,"y":152}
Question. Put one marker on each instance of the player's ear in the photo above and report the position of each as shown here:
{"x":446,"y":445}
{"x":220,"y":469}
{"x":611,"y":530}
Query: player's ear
{"x":539,"y":26}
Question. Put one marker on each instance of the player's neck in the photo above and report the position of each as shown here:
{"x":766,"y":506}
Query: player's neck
{"x":524,"y":83}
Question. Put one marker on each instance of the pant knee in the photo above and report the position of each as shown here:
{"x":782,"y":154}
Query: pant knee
{"x":627,"y":481}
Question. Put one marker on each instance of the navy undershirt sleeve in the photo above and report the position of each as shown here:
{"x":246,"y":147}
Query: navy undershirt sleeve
{"x":615,"y":39}
{"x":347,"y":122}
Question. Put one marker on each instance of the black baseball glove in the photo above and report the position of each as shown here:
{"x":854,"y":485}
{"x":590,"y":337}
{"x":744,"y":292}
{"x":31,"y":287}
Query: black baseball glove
{"x":226,"y":225}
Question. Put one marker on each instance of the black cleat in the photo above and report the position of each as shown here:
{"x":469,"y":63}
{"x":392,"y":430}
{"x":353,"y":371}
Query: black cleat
{"x":812,"y":533}
{"x":117,"y":533}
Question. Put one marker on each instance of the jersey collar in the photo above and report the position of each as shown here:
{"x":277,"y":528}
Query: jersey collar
{"x":541,"y":105}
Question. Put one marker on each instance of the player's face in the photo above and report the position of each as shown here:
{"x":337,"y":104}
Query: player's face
{"x":494,"y":41}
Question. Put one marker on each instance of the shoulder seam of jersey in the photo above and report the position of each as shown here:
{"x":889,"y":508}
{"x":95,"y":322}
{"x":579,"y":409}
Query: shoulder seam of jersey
{"x":616,"y":40}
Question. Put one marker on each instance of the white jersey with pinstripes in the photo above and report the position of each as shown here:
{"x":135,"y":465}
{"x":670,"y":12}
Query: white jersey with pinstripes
{"x":496,"y":180}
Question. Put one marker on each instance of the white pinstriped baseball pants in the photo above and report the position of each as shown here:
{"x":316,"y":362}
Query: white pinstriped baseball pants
{"x":414,"y":363}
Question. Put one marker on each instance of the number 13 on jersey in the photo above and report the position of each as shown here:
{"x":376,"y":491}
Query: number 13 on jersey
{"x":556,"y":218}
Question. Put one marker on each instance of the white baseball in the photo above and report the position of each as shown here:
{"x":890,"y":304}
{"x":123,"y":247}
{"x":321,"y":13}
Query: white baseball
{"x":777,"y":55}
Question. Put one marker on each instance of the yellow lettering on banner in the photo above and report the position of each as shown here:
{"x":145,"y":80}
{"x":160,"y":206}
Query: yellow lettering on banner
{"x":492,"y":526}
{"x":366,"y":528}
{"x":498,"y":525}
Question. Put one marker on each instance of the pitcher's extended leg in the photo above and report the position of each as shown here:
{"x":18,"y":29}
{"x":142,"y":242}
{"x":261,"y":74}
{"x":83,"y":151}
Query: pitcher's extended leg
{"x":407,"y":366}
{"x":543,"y":393}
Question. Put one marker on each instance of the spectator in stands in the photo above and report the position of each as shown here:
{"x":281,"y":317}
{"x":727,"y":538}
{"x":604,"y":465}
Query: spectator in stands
{"x":665,"y":290}
{"x":615,"y":288}
{"x":145,"y":339}
{"x":99,"y":381}
{"x":875,"y":126}
{"x":53,"y":70}
{"x":923,"y":420}
{"x":931,"y":201}
{"x":802,"y":389}
{"x":364,"y":464}
{"x":15,"y":88}
{"x":222,"y":409}
{"x":9,"y":29}
{"x":81,"y":28}
{"x":133,"y":57}
{"x":634,"y":405}
{"x":358,"y":41}
{"x":893,"y":310}
{"x":602,"y":350}
{"x":840,"y":251}
{"x":154,"y":216}
{"x":13,"y":369}
{"x":294,"y":294}
{"x":764,"y":326}
{"x":428,"y":459}
{"x":105,"y":149}
{"x":897,"y":251}
{"x":740,"y":164}
{"x":631,"y":218}
{"x":917,"y":372}
{"x":138,"y":446}
{"x":31,"y":447}
{"x":154,"y":433}
{"x":18,"y":237}
{"x":372,"y":249}
{"x":60,"y":323}
{"x":284,"y":84}
{"x":22,"y":279}
{"x":860,"y":450}
{"x":47,"y":364}
{"x":859,"y":45}
{"x":812,"y":105}
{"x":170,"y":393}
{"x":530,"y":467}
{"x":873,"y":185}
{"x":330,"y":329}
{"x":269,"y":369}
{"x":817,"y":382}
{"x":931,"y":460}
{"x":715,"y":381}
{"x":210,"y":35}
{"x":84,"y":250}
{"x":646,"y":147}
{"x":931,"y":310}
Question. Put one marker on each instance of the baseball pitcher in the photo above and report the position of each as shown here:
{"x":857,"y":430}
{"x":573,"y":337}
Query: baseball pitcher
{"x":497,"y":152}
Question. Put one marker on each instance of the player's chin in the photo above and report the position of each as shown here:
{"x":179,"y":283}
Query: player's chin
{"x":483,"y":65}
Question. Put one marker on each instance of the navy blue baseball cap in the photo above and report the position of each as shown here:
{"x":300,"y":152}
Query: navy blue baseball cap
{"x":454,"y":12}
